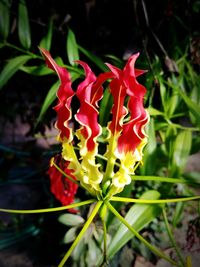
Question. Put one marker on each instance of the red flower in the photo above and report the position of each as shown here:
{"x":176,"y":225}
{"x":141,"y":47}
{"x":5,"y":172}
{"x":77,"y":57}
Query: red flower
{"x":126,"y":130}
{"x":62,"y":188}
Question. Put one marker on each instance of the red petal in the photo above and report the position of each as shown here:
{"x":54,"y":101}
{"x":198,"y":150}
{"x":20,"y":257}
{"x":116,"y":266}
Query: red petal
{"x":132,"y":132}
{"x":118,"y":92}
{"x":125,"y":84}
{"x":65,"y":94}
{"x":87,"y":114}
{"x":62,"y":188}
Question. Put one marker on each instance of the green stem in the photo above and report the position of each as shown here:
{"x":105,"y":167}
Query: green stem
{"x":105,"y":241}
{"x":103,"y":213}
{"x":71,"y":206}
{"x":156,"y":201}
{"x":23,"y":51}
{"x":158,"y":179}
{"x":135,"y":233}
{"x":82,"y":232}
{"x":171,"y":237}
{"x":63,"y":173}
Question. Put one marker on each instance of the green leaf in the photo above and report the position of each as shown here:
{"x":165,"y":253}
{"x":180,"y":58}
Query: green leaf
{"x":51,"y":96}
{"x":154,"y":112}
{"x":36,"y":70}
{"x":97,"y":60}
{"x":47,"y":39}
{"x":181,"y":151}
{"x":163,"y":93}
{"x":193,"y":177}
{"x":4,"y":18}
{"x":105,"y":107}
{"x":115,"y":61}
{"x":138,"y":217}
{"x":71,"y":219}
{"x":70,"y":235}
{"x":11,"y":68}
{"x":193,"y":107}
{"x":177,"y":216}
{"x":173,"y":102}
{"x":72,"y":48}
{"x":149,"y":158}
{"x":23,"y":25}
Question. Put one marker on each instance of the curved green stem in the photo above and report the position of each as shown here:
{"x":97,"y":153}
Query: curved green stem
{"x":71,"y":206}
{"x":156,"y":201}
{"x":171,"y":237}
{"x":23,"y":50}
{"x":63,"y":173}
{"x":82,"y":232}
{"x":103,"y":213}
{"x":158,"y":179}
{"x":136,"y":234}
{"x":105,"y":241}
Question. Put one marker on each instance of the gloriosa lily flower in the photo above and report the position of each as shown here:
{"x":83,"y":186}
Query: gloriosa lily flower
{"x":126,"y":136}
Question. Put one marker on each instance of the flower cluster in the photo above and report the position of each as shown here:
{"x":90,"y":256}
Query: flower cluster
{"x":125,"y":131}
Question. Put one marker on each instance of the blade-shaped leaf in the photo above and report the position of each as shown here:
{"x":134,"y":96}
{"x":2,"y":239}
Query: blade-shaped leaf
{"x":138,"y":216}
{"x":36,"y":70}
{"x":154,"y":112}
{"x":178,"y":214}
{"x":23,"y":25}
{"x":97,"y":60}
{"x":182,"y":147}
{"x":173,"y":102}
{"x":11,"y":67}
{"x":149,"y":158}
{"x":4,"y":18}
{"x":47,"y":39}
{"x":105,"y":107}
{"x":51,"y":96}
{"x":193,"y":107}
{"x":72,"y":48}
{"x":163,"y":94}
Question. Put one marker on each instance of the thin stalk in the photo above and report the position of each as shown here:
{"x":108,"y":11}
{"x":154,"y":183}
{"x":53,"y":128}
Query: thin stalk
{"x":171,"y":237}
{"x":103,"y":213}
{"x":156,"y":201}
{"x":23,"y":50}
{"x":71,"y":206}
{"x":82,"y":232}
{"x":188,"y":261}
{"x":63,"y":173}
{"x":105,"y":260}
{"x":158,"y":179}
{"x":136,"y":234}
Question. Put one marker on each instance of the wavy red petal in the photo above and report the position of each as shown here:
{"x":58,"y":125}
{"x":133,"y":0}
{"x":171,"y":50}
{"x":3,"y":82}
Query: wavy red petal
{"x":87,"y":114}
{"x":132,"y":132}
{"x":65,"y":94}
{"x":125,"y":84}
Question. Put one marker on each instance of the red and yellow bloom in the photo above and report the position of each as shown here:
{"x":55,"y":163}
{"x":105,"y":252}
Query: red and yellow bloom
{"x":126,"y":135}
